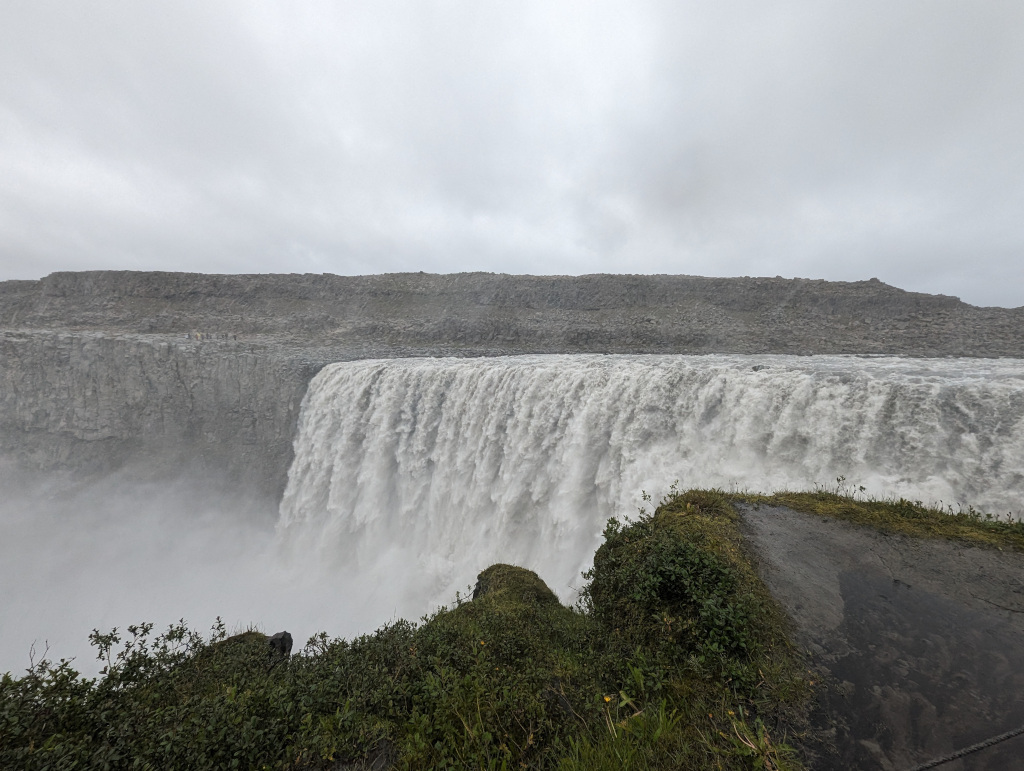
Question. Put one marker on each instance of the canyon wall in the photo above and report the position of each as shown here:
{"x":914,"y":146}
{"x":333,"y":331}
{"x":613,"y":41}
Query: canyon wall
{"x":104,"y":368}
{"x":94,"y":402}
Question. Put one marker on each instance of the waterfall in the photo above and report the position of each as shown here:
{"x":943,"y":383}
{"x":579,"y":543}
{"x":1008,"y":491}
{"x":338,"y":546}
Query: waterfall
{"x":421,"y":472}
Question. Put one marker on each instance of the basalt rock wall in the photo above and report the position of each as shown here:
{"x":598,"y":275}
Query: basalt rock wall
{"x":94,"y":402}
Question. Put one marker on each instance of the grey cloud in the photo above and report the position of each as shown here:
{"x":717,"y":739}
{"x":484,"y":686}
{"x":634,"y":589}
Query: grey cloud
{"x":729,"y":138}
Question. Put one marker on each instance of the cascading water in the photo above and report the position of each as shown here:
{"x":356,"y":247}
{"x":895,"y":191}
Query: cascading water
{"x":421,"y":472}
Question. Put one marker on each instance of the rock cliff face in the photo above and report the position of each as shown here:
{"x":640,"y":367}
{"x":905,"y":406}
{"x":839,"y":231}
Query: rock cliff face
{"x":101,"y":368}
{"x":94,"y":402}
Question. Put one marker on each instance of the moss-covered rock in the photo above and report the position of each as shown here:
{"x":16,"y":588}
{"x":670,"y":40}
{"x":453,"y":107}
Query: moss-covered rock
{"x":515,"y":583}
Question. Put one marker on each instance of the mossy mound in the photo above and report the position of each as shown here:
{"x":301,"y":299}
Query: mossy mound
{"x":675,"y":658}
{"x":680,"y":583}
{"x":250,"y":644}
{"x":518,"y":584}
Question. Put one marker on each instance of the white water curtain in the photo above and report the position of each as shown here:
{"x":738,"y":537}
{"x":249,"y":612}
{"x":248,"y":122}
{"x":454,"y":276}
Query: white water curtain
{"x":428,"y":470}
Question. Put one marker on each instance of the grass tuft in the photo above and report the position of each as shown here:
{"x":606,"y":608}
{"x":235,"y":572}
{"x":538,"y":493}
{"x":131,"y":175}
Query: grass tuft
{"x":899,"y":515}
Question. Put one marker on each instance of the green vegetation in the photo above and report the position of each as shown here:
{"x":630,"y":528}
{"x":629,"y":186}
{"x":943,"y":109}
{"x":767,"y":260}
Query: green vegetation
{"x":898,"y":515}
{"x":675,"y":658}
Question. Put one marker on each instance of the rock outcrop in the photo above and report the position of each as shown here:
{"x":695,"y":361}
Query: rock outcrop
{"x":918,"y":643}
{"x":102,"y":367}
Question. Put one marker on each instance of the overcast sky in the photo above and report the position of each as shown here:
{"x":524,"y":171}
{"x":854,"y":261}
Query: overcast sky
{"x":815,"y":139}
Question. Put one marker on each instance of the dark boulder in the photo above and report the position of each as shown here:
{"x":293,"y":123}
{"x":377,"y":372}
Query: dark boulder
{"x":280,"y":645}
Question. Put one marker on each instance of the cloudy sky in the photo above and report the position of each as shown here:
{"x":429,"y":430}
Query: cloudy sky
{"x":815,"y":139}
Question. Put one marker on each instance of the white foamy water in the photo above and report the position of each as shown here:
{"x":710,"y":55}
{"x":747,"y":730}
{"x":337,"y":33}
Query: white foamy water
{"x":415,"y":474}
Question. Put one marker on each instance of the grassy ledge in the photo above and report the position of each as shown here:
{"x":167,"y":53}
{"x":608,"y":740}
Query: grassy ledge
{"x":676,"y":657}
{"x":898,"y":515}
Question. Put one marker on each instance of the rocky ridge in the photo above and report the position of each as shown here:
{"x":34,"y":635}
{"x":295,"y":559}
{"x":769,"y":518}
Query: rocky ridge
{"x":669,"y":314}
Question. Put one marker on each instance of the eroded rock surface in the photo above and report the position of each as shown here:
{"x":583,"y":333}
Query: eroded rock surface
{"x":919,"y":642}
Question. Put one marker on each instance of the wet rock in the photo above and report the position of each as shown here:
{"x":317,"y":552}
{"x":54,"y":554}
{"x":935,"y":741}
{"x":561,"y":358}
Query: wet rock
{"x":280,"y":645}
{"x":918,"y":643}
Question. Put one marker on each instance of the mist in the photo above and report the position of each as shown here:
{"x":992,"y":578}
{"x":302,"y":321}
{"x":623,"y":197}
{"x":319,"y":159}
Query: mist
{"x":122,"y":550}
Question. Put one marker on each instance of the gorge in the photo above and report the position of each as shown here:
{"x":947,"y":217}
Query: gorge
{"x":148,"y":423}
